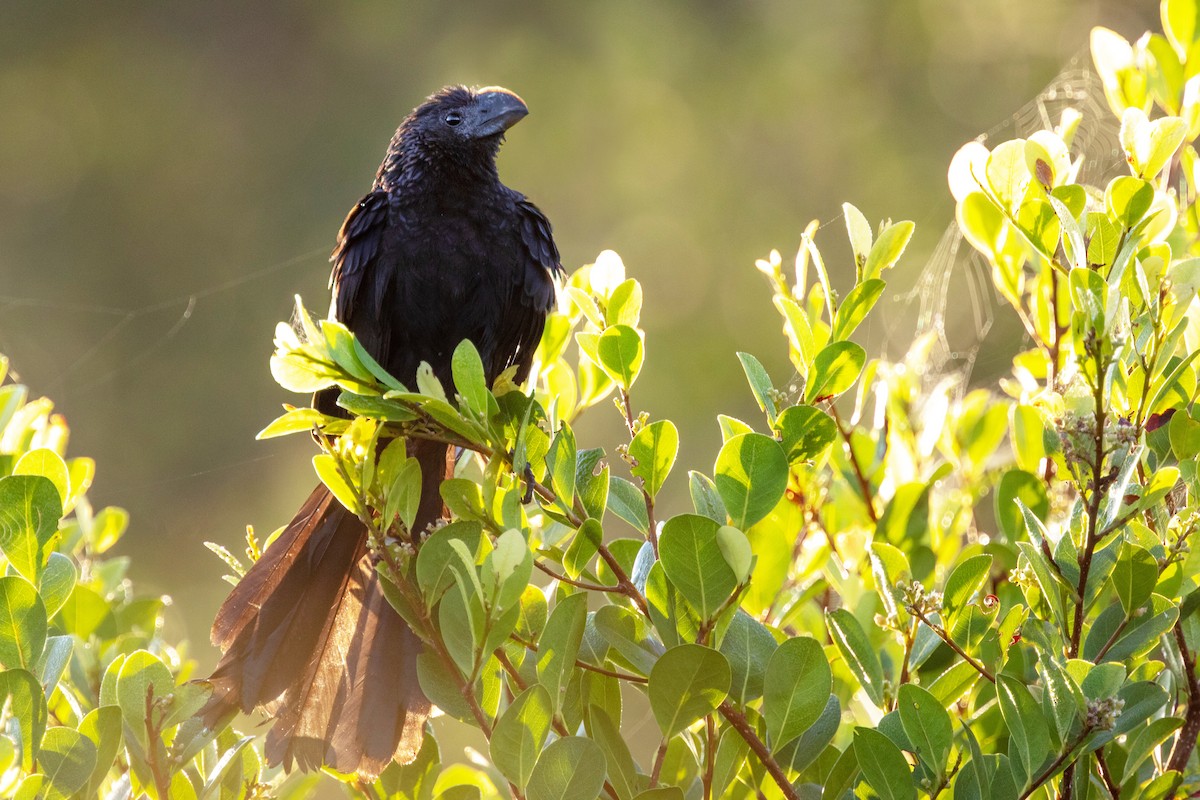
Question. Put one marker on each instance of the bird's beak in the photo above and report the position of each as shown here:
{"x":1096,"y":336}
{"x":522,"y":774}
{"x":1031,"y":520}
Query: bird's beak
{"x":499,"y":110}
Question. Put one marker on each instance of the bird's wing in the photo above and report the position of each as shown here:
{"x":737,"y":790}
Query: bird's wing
{"x":358,"y":244}
{"x":532,"y":291}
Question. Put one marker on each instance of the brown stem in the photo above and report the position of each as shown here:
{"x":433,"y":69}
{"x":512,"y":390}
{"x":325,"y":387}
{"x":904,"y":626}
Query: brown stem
{"x":1111,"y":641}
{"x":1085,"y":557}
{"x":742,"y":726}
{"x":658,"y":762}
{"x":162,"y":781}
{"x":945,"y":637}
{"x":1185,"y":742}
{"x":592,"y":587}
{"x":710,"y":746}
{"x":863,"y":483}
{"x":556,"y":721}
{"x":624,"y":676}
{"x":1049,"y":772}
{"x":1106,"y":776}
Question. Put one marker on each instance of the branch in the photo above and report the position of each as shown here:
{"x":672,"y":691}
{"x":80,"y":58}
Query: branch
{"x":742,"y":726}
{"x":1185,"y":742}
{"x":945,"y":637}
{"x":863,"y":483}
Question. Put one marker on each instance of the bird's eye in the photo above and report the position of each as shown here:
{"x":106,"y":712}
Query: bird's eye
{"x":454,"y":118}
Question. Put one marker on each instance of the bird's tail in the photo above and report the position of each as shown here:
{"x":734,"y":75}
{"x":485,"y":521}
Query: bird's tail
{"x":308,"y":635}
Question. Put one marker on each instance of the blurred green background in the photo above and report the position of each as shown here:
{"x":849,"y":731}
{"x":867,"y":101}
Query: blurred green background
{"x":172,"y":173}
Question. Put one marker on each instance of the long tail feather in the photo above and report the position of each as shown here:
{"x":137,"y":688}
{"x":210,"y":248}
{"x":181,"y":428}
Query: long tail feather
{"x":308,"y":635}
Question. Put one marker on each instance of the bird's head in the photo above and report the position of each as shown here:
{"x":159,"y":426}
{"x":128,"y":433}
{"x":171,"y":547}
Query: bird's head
{"x":455,"y":129}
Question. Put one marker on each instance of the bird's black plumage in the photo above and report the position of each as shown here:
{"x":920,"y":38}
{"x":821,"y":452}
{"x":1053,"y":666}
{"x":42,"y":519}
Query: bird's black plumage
{"x":439,"y":251}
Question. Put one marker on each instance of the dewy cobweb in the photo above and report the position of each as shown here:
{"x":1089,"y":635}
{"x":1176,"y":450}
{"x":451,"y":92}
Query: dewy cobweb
{"x":956,"y":270}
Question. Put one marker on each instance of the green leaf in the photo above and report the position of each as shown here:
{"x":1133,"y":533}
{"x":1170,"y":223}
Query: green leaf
{"x":982,"y":223}
{"x":1019,"y":485}
{"x":507,"y":569}
{"x":67,"y":758}
{"x":619,"y":352}
{"x":107,"y":528}
{"x":852,"y":642}
{"x":1134,"y":577}
{"x":748,"y":646}
{"x":964,"y":582}
{"x":795,"y":689}
{"x":626,"y":501}
{"x":559,"y":643}
{"x":1029,"y":743}
{"x":48,"y":464}
{"x":812,"y":743}
{"x":1181,"y":24}
{"x":687,"y":683}
{"x":327,"y":470}
{"x":22,"y":623}
{"x":29,"y":512}
{"x":760,"y":384}
{"x":571,"y":768}
{"x":731,"y":754}
{"x":103,"y":726}
{"x":854,"y":309}
{"x":629,"y":634}
{"x":1141,"y":634}
{"x":429,"y":385}
{"x":888,"y":248}
{"x":705,"y":497}
{"x":883,"y":765}
{"x":1184,"y":433}
{"x":54,"y":659}
{"x":834,"y":370}
{"x":591,"y":481}
{"x":736,"y":550}
{"x":584,"y":545}
{"x":469,"y":380}
{"x":806,"y":433}
{"x":841,"y":775}
{"x":294,"y":420}
{"x":653,"y":451}
{"x":927,"y":726}
{"x":436,"y":558}
{"x":1007,"y":173}
{"x":560,"y":464}
{"x":692,"y":558}
{"x":143,"y":683}
{"x":1143,"y":743}
{"x":951,"y":685}
{"x":625,"y":304}
{"x":86,"y":613}
{"x":751,"y":475}
{"x":1062,"y":699}
{"x":404,"y":494}
{"x":622,"y":771}
{"x":662,"y":793}
{"x":1127,"y":199}
{"x":27,"y":704}
{"x":520,"y":733}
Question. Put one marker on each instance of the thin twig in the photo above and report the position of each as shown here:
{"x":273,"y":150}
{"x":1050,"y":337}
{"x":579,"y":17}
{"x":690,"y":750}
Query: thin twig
{"x":863,"y":483}
{"x":742,"y":726}
{"x":945,"y":637}
{"x":591,"y":587}
{"x":1106,"y":776}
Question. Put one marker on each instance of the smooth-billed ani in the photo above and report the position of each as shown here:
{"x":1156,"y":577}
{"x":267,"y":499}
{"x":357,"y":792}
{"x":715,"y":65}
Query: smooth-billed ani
{"x":439,"y":251}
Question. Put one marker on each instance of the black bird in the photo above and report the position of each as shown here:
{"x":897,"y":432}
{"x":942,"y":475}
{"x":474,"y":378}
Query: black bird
{"x":439,"y":251}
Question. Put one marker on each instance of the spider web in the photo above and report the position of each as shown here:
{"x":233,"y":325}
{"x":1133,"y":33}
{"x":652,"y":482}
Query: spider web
{"x":956,"y":270}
